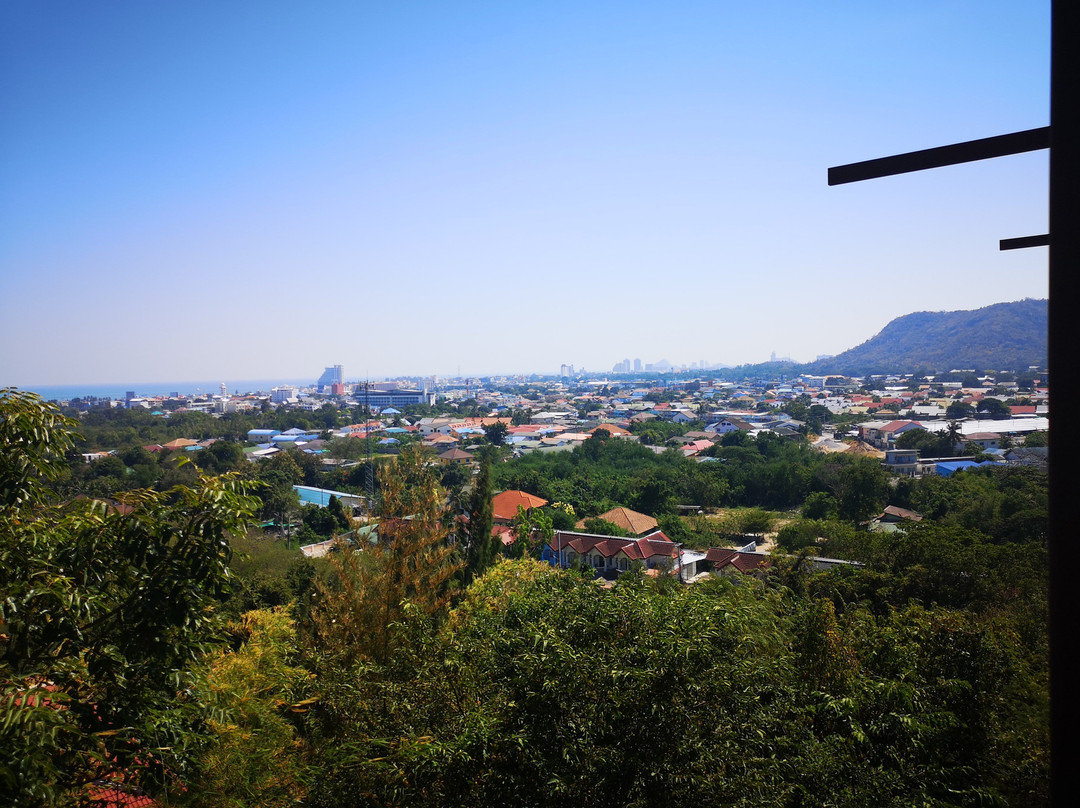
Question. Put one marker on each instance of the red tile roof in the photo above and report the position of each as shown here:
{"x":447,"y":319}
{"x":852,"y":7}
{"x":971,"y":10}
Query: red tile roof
{"x":114,"y":795}
{"x":744,"y":562}
{"x":655,"y":544}
{"x":892,"y":426}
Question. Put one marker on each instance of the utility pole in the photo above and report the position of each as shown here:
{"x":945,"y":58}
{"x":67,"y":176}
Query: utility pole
{"x":370,"y":476}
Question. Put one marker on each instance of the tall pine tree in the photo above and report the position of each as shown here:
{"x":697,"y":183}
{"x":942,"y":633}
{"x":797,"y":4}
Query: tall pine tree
{"x":413,"y":564}
{"x":481,"y":549}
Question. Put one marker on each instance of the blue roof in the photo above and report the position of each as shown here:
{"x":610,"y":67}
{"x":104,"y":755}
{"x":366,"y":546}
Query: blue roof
{"x":947,"y":467}
{"x":310,"y":495}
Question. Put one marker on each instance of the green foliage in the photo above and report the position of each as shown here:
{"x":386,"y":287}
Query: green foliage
{"x":533,"y":529}
{"x":102,"y":612}
{"x":819,"y":505}
{"x":602,"y":527}
{"x":1006,"y":504}
{"x":771,"y":472}
{"x":738,"y":524}
{"x":337,"y":513}
{"x":860,"y":486}
{"x":959,"y":409}
{"x":657,"y":432}
{"x":903,"y":681}
{"x":804,"y":533}
{"x":35,"y":438}
{"x":496,"y":433}
{"x":480,"y":548}
{"x":545,"y":689}
{"x":278,"y":474}
{"x":1036,"y":439}
{"x":929,"y":444}
{"x":413,"y":563}
{"x":268,"y":574}
{"x":251,"y":755}
{"x":994,"y":408}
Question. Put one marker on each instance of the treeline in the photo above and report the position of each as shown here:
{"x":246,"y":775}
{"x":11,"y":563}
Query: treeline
{"x":119,"y":428}
{"x":767,"y":471}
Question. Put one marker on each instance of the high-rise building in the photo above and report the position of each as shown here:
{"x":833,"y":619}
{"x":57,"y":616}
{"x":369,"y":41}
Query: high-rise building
{"x":637,"y":366}
{"x":331,"y":375}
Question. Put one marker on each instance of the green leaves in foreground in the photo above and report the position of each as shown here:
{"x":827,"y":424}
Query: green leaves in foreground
{"x":102,"y":611}
{"x":544,"y":688}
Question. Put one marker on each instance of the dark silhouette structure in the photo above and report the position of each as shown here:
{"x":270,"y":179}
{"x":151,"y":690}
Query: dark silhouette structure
{"x":1062,"y":137}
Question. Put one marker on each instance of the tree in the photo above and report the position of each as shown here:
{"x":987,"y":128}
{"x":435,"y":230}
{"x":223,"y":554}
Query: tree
{"x":953,"y":434}
{"x":993,"y":407}
{"x":337,"y":511}
{"x":279,"y":474}
{"x":959,"y":409}
{"x":412,"y":566}
{"x":819,"y":505}
{"x":859,"y":486}
{"x":480,"y":551}
{"x":929,"y":444}
{"x":252,"y":746}
{"x":1036,"y":439}
{"x":602,"y":527}
{"x":532,"y":530}
{"x":496,"y":433}
{"x":103,"y":611}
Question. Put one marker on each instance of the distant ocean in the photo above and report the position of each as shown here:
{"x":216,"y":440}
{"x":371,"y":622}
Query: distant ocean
{"x":66,"y":392}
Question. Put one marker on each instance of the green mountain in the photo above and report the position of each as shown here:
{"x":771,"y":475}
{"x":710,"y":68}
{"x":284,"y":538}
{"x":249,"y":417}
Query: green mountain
{"x":1004,"y":336}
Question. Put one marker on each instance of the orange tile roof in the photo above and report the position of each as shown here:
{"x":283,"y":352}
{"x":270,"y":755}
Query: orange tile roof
{"x":630,"y":521}
{"x":612,"y":430}
{"x":504,"y":505}
{"x":179,"y":443}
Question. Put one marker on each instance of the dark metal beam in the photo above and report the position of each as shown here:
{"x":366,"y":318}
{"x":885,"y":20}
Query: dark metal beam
{"x":1024,"y":242}
{"x":982,"y":149}
{"x":1064,"y":393}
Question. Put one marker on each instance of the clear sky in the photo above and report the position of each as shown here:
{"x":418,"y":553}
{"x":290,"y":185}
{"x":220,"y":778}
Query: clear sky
{"x":194,"y":190}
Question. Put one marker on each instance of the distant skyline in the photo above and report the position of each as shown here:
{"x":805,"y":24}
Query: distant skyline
{"x":255,"y":190}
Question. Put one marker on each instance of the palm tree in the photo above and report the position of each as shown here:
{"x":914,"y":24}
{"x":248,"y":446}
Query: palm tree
{"x":954,"y":434}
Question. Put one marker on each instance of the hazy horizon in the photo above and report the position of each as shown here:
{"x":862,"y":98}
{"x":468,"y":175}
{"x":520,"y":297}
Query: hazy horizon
{"x":257,"y":190}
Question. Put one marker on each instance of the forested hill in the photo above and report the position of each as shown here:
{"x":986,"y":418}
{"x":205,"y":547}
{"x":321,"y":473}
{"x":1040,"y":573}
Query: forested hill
{"x":1004,"y":336}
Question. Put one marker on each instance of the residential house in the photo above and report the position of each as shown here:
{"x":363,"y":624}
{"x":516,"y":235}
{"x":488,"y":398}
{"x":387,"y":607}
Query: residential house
{"x":891,"y":519}
{"x":883,"y":434}
{"x":504,"y":505}
{"x":728,"y":424}
{"x":725,"y":561}
{"x":904,"y":462}
{"x":455,"y":457}
{"x":984,"y":440}
{"x":609,"y":556}
{"x":634,"y":523}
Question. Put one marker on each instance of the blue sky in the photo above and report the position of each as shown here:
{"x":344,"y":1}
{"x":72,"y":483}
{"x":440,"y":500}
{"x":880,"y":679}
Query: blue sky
{"x":257,"y":189}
